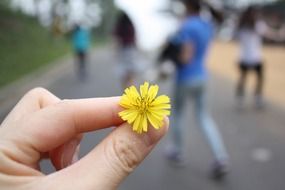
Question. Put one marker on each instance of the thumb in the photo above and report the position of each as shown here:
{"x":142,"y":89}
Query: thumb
{"x":110,"y":162}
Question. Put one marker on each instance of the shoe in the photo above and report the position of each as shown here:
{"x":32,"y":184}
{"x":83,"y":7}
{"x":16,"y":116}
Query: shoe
{"x":219,"y":170}
{"x":175,"y":157}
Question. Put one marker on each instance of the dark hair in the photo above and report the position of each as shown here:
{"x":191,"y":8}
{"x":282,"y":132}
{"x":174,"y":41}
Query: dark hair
{"x":195,"y":6}
{"x":192,"y":5}
{"x":124,"y":19}
{"x":76,"y":27}
{"x":248,"y":18}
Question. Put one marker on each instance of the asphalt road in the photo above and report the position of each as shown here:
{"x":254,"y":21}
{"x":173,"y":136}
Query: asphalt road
{"x":255,"y":139}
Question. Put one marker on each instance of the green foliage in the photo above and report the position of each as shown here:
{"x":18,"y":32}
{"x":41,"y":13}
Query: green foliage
{"x":25,"y":45}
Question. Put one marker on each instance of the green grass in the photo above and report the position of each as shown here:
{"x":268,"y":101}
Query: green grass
{"x":25,"y":46}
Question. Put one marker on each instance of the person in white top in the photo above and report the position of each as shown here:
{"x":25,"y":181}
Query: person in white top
{"x":250,"y":33}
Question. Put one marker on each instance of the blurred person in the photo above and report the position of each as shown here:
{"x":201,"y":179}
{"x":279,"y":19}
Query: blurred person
{"x":250,"y":33}
{"x":125,"y":36}
{"x":43,"y":126}
{"x":193,"y":39}
{"x":81,"y":44}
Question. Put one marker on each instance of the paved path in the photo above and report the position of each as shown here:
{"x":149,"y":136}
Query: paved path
{"x":255,"y":139}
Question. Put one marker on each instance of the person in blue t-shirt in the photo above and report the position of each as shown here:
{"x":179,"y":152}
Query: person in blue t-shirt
{"x":81,"y":43}
{"x":194,"y":38}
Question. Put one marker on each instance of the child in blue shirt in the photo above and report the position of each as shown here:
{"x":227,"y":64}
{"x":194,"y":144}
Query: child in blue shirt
{"x":81,"y":43}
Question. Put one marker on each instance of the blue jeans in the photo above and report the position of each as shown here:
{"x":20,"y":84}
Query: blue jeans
{"x":196,"y":90}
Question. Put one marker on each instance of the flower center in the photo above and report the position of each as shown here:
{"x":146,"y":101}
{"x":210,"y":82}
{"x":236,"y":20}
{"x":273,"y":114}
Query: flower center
{"x":143,"y":104}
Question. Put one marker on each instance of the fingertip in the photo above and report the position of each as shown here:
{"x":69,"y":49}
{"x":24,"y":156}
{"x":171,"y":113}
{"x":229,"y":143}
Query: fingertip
{"x":154,"y":135}
{"x":166,"y":123}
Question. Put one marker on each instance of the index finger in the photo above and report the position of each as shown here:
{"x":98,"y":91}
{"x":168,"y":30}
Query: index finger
{"x":57,"y":123}
{"x":32,"y":101}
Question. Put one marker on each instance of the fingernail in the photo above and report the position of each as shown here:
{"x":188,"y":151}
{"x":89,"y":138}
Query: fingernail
{"x":75,"y":157}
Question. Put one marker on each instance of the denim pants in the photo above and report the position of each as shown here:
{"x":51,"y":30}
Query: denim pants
{"x":196,"y":90}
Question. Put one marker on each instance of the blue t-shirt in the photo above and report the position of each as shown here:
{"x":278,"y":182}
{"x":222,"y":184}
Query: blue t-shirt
{"x":199,"y":33}
{"x":81,"y":39}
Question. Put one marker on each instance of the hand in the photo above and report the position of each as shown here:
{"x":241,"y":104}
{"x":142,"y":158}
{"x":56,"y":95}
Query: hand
{"x":43,"y":126}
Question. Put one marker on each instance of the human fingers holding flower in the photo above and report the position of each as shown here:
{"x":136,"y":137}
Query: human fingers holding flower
{"x":41,"y":125}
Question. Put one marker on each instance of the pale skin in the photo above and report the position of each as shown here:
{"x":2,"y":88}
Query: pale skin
{"x":43,"y":126}
{"x":187,"y":52}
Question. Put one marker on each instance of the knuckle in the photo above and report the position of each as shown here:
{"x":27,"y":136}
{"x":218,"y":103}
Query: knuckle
{"x":36,"y":91}
{"x":64,"y":106}
{"x":126,"y":154}
{"x":66,"y":111}
{"x":63,"y":103}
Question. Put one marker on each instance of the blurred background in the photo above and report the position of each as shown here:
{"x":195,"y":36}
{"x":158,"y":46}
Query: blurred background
{"x":95,"y":48}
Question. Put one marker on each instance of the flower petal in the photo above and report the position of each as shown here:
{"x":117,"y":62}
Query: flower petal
{"x":163,"y":99}
{"x":144,"y":89}
{"x":129,"y":115}
{"x":137,"y":123}
{"x":125,"y":102}
{"x":134,"y":93}
{"x":156,"y":123}
{"x":152,"y":92}
{"x":144,"y":123}
{"x":161,"y":106}
{"x":160,"y":113}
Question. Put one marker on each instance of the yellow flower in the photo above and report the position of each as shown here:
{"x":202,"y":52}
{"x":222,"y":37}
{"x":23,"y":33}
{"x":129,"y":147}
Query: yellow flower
{"x":144,"y":108}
